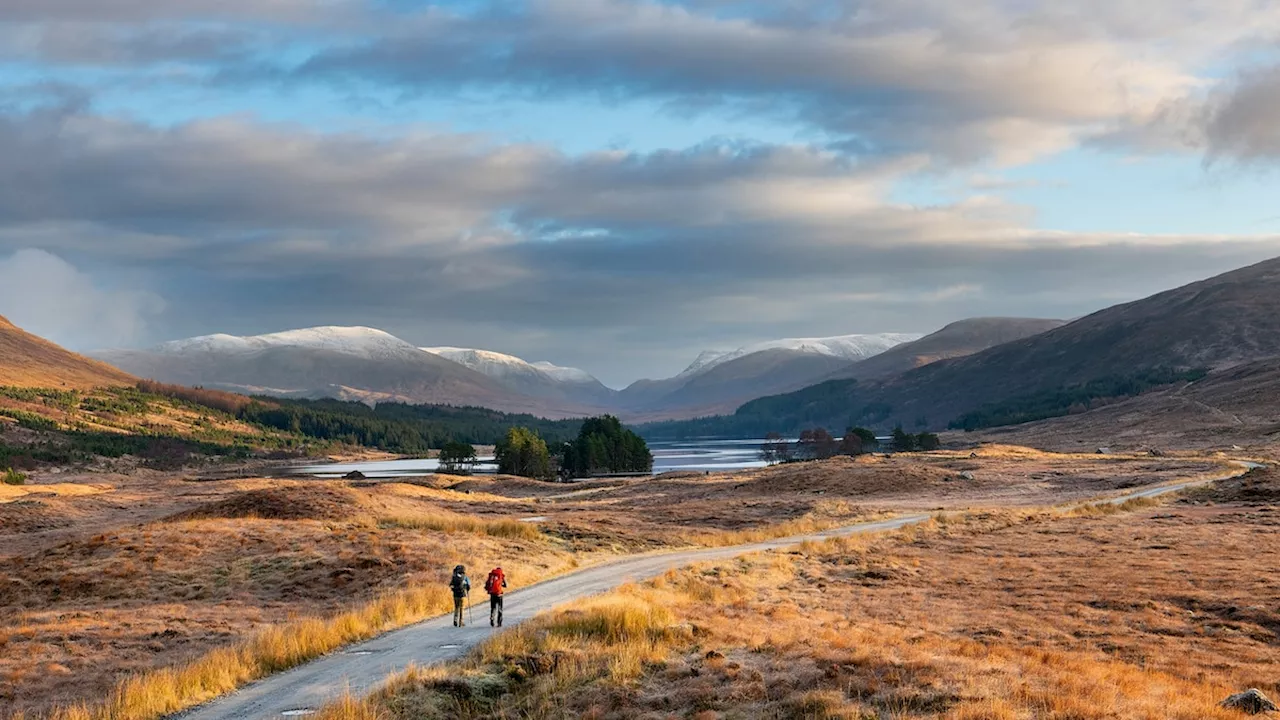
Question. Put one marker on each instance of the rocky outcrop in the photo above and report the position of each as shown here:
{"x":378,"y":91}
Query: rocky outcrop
{"x":1251,"y":702}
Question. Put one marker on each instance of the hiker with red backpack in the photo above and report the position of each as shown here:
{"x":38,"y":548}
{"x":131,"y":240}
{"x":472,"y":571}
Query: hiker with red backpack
{"x":494,"y":585}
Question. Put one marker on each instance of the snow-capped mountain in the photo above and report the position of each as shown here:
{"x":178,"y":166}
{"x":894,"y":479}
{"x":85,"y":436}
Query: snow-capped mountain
{"x":705,"y":360}
{"x":564,"y":374}
{"x":364,"y":342}
{"x":343,"y":362}
{"x":719,"y":381}
{"x":846,"y":347}
{"x":540,"y":379}
{"x":370,"y":364}
{"x":496,"y":364}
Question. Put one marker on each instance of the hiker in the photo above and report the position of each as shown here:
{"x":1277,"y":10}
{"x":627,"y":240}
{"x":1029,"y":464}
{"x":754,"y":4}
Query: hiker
{"x":494,"y":585}
{"x":460,"y":584}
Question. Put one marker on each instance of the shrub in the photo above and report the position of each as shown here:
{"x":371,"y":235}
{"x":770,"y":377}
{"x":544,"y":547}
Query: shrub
{"x":13,"y":477}
{"x":29,"y":420}
{"x":457,"y":456}
{"x":522,"y":452}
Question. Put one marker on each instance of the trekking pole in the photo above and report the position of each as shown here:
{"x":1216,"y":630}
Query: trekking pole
{"x":471,"y":613}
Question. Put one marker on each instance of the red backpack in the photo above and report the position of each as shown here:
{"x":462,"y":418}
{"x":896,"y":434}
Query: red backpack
{"x":496,"y":580}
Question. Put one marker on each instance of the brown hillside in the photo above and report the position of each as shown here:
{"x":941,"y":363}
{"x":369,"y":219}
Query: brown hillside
{"x":1216,"y":324}
{"x":30,"y":361}
{"x":959,"y":339}
{"x":1236,"y":406}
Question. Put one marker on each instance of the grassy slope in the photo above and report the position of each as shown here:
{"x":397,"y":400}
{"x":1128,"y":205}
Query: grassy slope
{"x":72,"y":425}
{"x":30,"y":361}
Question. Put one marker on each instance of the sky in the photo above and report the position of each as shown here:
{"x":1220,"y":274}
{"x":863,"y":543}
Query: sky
{"x":617,"y":184}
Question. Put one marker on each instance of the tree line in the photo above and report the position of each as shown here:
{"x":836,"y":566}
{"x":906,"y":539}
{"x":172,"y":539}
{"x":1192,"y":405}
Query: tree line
{"x":819,"y":444}
{"x":391,"y":426}
{"x":603,"y":446}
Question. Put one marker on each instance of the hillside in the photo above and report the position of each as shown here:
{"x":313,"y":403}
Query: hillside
{"x":30,"y":361}
{"x":347,"y":363}
{"x":959,"y":339}
{"x":725,"y":386}
{"x":1232,"y":407}
{"x":1213,"y":325}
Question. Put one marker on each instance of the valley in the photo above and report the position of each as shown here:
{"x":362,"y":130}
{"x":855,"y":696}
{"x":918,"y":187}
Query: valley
{"x":1143,"y":611}
{"x":792,"y":360}
{"x":157,"y":570}
{"x":166,"y":544}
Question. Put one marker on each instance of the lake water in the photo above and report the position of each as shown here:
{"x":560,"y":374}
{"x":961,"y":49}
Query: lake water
{"x":668,"y":456}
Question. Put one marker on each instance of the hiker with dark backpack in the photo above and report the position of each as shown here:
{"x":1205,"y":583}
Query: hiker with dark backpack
{"x":460,"y":584}
{"x":494,"y":585}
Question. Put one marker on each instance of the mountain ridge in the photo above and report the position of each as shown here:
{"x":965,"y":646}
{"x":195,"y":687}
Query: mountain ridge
{"x":957,"y":339}
{"x":325,"y":361}
{"x":1212,"y":324}
{"x":356,"y":363}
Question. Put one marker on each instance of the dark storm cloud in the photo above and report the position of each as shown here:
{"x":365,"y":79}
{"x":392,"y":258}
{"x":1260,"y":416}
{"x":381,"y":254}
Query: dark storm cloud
{"x":624,"y":263}
{"x":1244,"y":122}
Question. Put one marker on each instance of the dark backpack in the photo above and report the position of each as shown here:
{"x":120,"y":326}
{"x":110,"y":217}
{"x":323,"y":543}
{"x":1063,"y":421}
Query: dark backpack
{"x":456,"y":582}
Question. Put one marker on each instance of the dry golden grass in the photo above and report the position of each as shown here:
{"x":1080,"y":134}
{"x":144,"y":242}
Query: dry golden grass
{"x":9,"y":493}
{"x":455,"y":523}
{"x":825,"y":515}
{"x":246,"y":583}
{"x":1010,"y":614}
{"x":167,"y":690}
{"x":238,"y":560}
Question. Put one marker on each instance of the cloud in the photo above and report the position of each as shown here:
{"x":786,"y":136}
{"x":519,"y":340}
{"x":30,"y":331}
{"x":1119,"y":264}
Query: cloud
{"x":961,"y":82}
{"x":625,"y":263}
{"x":1243,"y":123}
{"x":45,"y":295}
{"x":1002,"y":80}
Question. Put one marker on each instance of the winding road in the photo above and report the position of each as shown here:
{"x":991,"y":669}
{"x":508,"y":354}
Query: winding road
{"x":363,"y":667}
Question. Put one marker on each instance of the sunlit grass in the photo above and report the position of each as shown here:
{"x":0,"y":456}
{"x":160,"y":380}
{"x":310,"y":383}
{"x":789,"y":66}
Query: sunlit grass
{"x":455,"y":523}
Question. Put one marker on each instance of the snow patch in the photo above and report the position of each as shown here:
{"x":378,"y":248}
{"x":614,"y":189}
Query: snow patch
{"x":362,"y":342}
{"x":502,"y":366}
{"x":565,"y":374}
{"x":849,"y":347}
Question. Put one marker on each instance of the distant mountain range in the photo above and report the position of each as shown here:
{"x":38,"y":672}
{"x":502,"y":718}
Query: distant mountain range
{"x":350,"y":363}
{"x":1214,"y":325}
{"x":360,"y":363}
{"x":372,"y":365}
{"x":1200,"y":360}
{"x":720,"y":381}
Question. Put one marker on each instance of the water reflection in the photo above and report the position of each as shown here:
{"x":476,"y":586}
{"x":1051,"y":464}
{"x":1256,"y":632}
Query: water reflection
{"x":668,"y":456}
